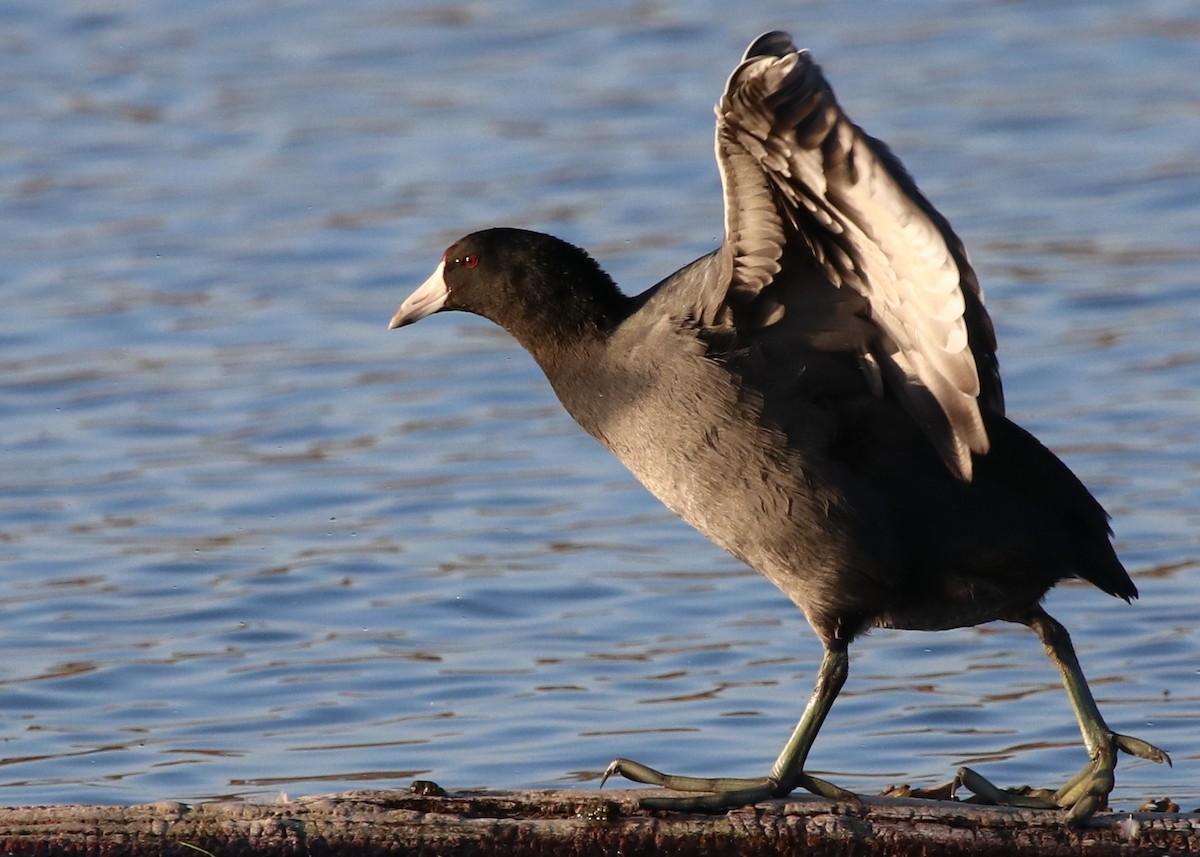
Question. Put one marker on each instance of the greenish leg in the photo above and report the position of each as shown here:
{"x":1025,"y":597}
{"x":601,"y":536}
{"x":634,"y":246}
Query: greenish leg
{"x":1088,"y":790}
{"x":786,"y":774}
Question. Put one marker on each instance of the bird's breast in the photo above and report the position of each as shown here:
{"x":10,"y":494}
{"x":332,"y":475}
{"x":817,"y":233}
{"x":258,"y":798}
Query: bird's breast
{"x":700,"y":445}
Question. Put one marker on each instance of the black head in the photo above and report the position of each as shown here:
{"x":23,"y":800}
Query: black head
{"x":539,"y":288}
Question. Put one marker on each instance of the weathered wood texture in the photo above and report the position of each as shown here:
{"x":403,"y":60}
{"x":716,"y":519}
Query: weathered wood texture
{"x":578,"y":823}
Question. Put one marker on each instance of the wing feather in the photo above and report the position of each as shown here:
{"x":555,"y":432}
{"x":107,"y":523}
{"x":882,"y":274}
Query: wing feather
{"x":806,"y":187}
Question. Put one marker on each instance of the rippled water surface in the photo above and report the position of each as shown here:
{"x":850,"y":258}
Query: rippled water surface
{"x":250,"y":542}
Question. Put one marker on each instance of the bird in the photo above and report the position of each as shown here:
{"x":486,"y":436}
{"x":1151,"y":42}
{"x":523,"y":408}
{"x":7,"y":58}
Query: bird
{"x":819,"y":396}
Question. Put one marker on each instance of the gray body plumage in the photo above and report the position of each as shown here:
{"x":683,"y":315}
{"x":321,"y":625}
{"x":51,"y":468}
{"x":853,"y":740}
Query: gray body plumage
{"x":819,"y":396}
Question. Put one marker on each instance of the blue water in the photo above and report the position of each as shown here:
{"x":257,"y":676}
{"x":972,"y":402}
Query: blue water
{"x":252,"y":543}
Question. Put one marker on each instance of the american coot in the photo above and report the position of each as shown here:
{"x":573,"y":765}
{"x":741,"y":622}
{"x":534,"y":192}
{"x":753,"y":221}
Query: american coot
{"x":820,"y":397}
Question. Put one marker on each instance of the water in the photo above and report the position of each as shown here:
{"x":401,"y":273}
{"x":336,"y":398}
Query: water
{"x":252,"y":543}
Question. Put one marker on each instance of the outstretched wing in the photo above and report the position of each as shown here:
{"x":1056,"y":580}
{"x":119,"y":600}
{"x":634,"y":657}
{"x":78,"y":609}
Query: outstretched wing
{"x":823,"y":221}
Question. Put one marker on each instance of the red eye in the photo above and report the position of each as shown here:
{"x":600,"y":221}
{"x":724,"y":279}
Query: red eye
{"x":470,"y":260}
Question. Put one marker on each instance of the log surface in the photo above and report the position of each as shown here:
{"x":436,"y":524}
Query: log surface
{"x":578,"y":823}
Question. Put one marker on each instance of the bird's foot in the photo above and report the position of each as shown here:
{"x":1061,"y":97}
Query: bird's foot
{"x":714,"y":794}
{"x":945,"y":791}
{"x":1083,"y":794}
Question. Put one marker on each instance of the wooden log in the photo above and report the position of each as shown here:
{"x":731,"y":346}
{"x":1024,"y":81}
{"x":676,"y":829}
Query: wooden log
{"x":579,"y":823}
